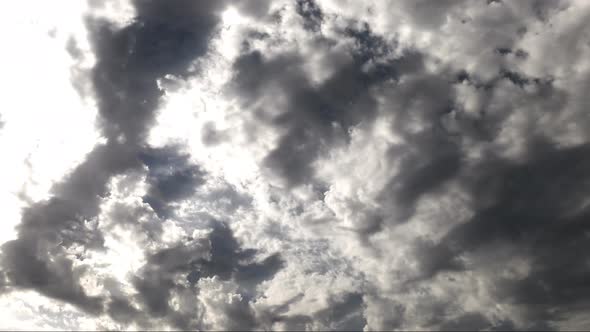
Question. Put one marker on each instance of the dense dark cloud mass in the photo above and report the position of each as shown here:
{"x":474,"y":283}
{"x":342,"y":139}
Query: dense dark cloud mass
{"x":218,"y":256}
{"x":311,"y":13}
{"x":171,"y":178}
{"x":315,"y":117}
{"x":320,"y":165}
{"x":538,"y":206}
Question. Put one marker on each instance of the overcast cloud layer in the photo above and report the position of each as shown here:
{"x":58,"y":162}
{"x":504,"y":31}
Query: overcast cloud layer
{"x":296,"y":165}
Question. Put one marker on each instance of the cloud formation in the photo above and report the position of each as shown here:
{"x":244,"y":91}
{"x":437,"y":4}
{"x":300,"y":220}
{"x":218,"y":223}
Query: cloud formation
{"x":322,"y":165}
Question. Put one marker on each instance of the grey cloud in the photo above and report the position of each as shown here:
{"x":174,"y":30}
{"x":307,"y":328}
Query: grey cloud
{"x":343,"y":312}
{"x":369,"y":45}
{"x":27,"y":266}
{"x":519,"y":53}
{"x":73,"y":49}
{"x":311,"y":13}
{"x":316,"y":117}
{"x":257,"y":9}
{"x":433,"y":258}
{"x":538,"y":205}
{"x":49,"y":228}
{"x":515,"y":202}
{"x":528,"y":202}
{"x":171,"y":178}
{"x":228,"y":259}
{"x":227,"y":198}
{"x":429,"y":15}
{"x":210,"y":135}
{"x":163,"y":39}
{"x":435,"y":160}
{"x":218,"y":255}
{"x":467,"y":322}
{"x":555,"y":185}
{"x":121,"y":311}
{"x":430,"y":155}
{"x":433,"y":155}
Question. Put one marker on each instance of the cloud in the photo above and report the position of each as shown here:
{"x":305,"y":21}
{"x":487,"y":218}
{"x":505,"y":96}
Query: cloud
{"x":171,"y":178}
{"x":188,"y":265}
{"x":161,"y":40}
{"x":313,"y":117}
{"x":444,"y":138}
{"x":339,"y":166}
{"x":538,"y":219}
{"x":311,"y":13}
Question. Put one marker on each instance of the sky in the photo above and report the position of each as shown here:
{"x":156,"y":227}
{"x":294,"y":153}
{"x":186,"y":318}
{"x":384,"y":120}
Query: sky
{"x":295,"y":165}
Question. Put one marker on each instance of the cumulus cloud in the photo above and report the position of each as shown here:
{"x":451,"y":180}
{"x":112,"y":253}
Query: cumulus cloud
{"x":318,"y":165}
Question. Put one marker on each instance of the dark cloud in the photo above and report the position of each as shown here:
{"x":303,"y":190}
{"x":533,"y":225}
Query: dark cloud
{"x":428,"y":15}
{"x":369,"y":46}
{"x":210,"y":135}
{"x":315,"y":117}
{"x":28,"y":266}
{"x":505,"y":51}
{"x":533,"y":203}
{"x":343,"y":312}
{"x":434,"y":127}
{"x":229,"y":260}
{"x":433,"y":258}
{"x":527,"y":196}
{"x":164,"y":38}
{"x":36,"y":259}
{"x":434,"y":160}
{"x":121,"y":311}
{"x":219,"y":255}
{"x":536,"y":204}
{"x":539,"y":206}
{"x":431,"y":155}
{"x":468,"y":322}
{"x":171,"y":178}
{"x":311,"y":13}
{"x":254,"y":9}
